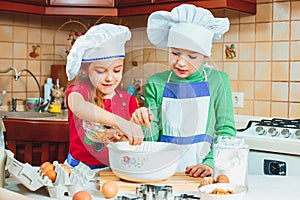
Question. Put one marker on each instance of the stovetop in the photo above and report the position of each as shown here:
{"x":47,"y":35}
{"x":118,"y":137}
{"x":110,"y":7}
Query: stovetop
{"x":277,"y":122}
{"x":276,"y":135}
{"x":276,"y":128}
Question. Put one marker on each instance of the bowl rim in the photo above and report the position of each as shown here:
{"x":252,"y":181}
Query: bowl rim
{"x":112,"y":145}
{"x":201,"y":188}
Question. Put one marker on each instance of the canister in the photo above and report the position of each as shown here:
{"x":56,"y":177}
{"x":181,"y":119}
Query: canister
{"x":231,"y":159}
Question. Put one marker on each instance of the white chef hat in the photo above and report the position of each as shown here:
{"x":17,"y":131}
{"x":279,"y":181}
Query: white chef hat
{"x":100,"y":42}
{"x":187,"y":27}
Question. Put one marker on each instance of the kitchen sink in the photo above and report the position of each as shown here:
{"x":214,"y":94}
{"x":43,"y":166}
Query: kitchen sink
{"x":26,"y":114}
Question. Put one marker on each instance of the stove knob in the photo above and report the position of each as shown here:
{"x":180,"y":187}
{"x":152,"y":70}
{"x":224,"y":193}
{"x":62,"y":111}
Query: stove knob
{"x":297,"y":134}
{"x":285,"y":133}
{"x":273,"y":132}
{"x":260,"y":130}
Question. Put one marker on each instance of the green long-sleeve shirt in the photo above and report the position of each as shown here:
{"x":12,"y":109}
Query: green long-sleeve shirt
{"x":220,"y":117}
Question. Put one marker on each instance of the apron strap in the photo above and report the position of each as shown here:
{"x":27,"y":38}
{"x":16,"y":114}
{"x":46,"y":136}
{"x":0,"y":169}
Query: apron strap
{"x":74,"y":162}
{"x":186,"y":140}
{"x":169,"y":77}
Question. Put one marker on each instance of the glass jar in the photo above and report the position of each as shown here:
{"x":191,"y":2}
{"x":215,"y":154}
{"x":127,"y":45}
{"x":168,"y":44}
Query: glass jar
{"x":231,"y":159}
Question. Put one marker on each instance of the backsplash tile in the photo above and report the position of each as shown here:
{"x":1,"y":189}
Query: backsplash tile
{"x":294,"y":110}
{"x":295,"y":10}
{"x":280,"y":51}
{"x":294,"y":92}
{"x":281,"y":11}
{"x":20,"y":34}
{"x":262,"y":108}
{"x":279,"y":31}
{"x":263,"y":31}
{"x":295,"y":71}
{"x":280,"y":71}
{"x":280,"y":91}
{"x":6,"y":33}
{"x":279,"y":110}
{"x":264,"y":12}
{"x":247,"y":33}
{"x":262,"y":90}
{"x":263,"y":51}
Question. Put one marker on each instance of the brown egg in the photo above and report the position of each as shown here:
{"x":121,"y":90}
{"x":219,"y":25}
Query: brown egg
{"x":206,"y":181}
{"x":66,"y":168}
{"x":222,"y":178}
{"x":51,"y":175}
{"x":109,"y":189}
{"x":82,"y":195}
{"x":48,"y":167}
{"x":44,"y":165}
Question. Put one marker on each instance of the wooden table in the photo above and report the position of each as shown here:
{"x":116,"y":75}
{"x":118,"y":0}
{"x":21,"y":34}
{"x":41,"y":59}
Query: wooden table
{"x":179,"y":181}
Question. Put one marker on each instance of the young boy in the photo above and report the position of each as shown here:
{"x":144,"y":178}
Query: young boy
{"x":190,"y":104}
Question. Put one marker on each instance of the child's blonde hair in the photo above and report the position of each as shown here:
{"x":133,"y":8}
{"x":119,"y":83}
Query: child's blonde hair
{"x":96,"y":96}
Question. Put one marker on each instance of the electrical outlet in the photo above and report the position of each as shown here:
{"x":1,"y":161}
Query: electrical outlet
{"x":238,"y":99}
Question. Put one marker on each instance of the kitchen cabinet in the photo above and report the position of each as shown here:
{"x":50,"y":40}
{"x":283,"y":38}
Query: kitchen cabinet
{"x":35,"y":2}
{"x":248,"y":6}
{"x":166,"y":1}
{"x":119,"y":8}
{"x":97,"y":3}
{"x":37,"y":140}
{"x":124,"y":3}
{"x":20,"y":6}
{"x":59,"y":72}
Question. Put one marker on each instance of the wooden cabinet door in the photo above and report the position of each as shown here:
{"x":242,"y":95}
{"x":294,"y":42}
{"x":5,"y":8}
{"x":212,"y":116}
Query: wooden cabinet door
{"x":168,"y":1}
{"x":36,"y":2}
{"x":59,"y":72}
{"x":95,"y":3}
{"x":124,"y":3}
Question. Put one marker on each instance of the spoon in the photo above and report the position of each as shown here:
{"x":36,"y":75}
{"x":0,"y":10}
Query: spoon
{"x":2,"y":97}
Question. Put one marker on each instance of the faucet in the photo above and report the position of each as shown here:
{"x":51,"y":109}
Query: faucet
{"x":42,"y":104}
{"x":8,"y":69}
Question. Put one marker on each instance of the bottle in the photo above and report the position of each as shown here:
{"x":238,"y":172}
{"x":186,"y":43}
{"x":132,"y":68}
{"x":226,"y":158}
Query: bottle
{"x":2,"y":157}
{"x":47,"y":91}
{"x":131,"y":90}
{"x":57,"y":84}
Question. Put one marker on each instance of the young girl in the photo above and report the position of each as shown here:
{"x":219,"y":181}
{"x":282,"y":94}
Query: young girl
{"x":96,"y":60}
{"x":190,"y":103}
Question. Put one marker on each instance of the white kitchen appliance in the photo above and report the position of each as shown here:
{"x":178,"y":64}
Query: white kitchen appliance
{"x":274,"y":146}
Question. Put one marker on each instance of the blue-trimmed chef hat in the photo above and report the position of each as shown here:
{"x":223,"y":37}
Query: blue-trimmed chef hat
{"x":100,"y":42}
{"x":187,"y":27}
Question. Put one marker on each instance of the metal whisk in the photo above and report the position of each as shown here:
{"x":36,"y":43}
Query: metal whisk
{"x":146,"y":146}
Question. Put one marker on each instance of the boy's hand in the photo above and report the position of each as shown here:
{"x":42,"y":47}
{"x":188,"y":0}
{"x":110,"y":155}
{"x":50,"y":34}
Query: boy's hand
{"x":142,"y":116}
{"x":199,"y":170}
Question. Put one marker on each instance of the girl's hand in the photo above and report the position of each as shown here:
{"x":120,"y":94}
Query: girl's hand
{"x":142,"y":116}
{"x":132,"y":131}
{"x":199,"y":170}
{"x":120,"y":137}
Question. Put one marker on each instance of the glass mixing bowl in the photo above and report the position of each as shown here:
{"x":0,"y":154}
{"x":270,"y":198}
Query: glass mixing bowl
{"x":98,"y":132}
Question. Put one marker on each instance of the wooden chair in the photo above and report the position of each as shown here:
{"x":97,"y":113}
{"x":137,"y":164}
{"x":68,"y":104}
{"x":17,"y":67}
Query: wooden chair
{"x":36,"y":141}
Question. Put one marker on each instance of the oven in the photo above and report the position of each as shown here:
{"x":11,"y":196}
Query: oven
{"x":274,"y":146}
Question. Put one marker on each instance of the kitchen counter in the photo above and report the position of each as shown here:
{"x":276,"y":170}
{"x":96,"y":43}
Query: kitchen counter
{"x":259,"y":186}
{"x":36,"y":115}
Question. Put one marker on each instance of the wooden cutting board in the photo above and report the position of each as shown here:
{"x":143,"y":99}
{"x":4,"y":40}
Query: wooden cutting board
{"x":7,"y":194}
{"x":180,"y":182}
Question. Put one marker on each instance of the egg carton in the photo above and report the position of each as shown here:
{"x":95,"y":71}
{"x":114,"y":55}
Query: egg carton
{"x":33,"y":178}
